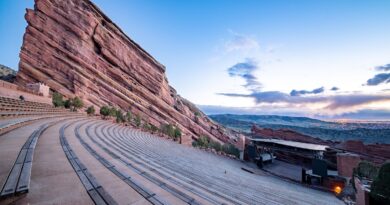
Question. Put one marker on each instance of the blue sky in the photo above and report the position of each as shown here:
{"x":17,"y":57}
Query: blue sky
{"x":248,"y":56}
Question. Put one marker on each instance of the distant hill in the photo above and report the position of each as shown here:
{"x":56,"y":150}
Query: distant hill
{"x":335,"y":131}
{"x":7,"y":74}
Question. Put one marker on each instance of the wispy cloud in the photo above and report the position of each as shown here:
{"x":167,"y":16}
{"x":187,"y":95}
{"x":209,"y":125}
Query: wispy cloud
{"x":330,"y":103}
{"x":306,"y":92}
{"x":383,"y":67}
{"x":246,"y":71}
{"x":241,"y":42}
{"x":379,"y":79}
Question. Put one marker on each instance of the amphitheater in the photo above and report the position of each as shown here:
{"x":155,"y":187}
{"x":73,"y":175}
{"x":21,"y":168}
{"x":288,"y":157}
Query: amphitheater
{"x":59,"y":157}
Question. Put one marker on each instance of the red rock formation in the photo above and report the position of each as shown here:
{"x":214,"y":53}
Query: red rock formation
{"x":78,"y":51}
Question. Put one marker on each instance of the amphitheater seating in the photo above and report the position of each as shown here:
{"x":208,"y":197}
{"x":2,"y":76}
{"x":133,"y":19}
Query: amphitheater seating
{"x":95,"y":190}
{"x":18,"y":180}
{"x":108,"y":163}
{"x":14,"y":107}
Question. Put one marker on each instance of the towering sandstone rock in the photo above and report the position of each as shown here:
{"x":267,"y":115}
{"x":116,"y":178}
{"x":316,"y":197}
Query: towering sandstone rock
{"x":74,"y":48}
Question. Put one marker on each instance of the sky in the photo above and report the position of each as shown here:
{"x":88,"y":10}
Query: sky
{"x":325,"y":59}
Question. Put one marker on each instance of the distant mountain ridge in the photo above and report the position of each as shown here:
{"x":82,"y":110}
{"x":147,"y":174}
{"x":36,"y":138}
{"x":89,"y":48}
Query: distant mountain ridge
{"x":7,"y":73}
{"x":335,"y":131}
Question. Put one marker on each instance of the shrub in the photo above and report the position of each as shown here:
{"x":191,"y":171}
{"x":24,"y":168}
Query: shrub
{"x":147,"y":126}
{"x":105,"y":111}
{"x":206,"y":142}
{"x":153,"y":128}
{"x":128,"y":116}
{"x":112,"y":112}
{"x":380,"y":188}
{"x":177,"y":133}
{"x":90,"y":110}
{"x":231,"y":149}
{"x":216,"y":146}
{"x":119,"y":116}
{"x":138,"y":121}
{"x":203,"y":141}
{"x":77,"y":103}
{"x":168,"y":129}
{"x":57,"y":100}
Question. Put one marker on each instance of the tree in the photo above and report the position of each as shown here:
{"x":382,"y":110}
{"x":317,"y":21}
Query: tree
{"x":380,"y":188}
{"x":105,"y":111}
{"x":57,"y":100}
{"x":68,"y":103}
{"x":91,"y":110}
{"x":367,"y":170}
{"x":77,"y":103}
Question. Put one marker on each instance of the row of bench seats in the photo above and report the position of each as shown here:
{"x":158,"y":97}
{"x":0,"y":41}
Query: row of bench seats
{"x":97,"y":193}
{"x":18,"y":180}
{"x":138,"y":187}
{"x":177,"y":193}
{"x":14,"y":107}
{"x":167,"y":157}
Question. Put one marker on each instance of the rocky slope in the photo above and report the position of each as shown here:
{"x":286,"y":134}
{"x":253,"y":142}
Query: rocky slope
{"x":78,"y":51}
{"x":7,"y":74}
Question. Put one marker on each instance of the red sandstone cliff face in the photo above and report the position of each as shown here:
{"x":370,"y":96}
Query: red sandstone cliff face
{"x":78,"y":51}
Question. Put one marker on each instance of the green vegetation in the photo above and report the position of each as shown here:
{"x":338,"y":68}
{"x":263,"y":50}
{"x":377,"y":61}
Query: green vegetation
{"x":177,"y":134}
{"x":153,"y":128}
{"x":104,"y":111}
{"x":67,"y":103}
{"x":112,"y":112}
{"x":147,"y":127}
{"x":380,"y":188}
{"x":57,"y":100}
{"x":172,"y":131}
{"x":366,"y":170}
{"x":77,"y":103}
{"x":206,"y":142}
{"x":138,"y":121}
{"x":90,"y":110}
{"x":71,"y":103}
{"x":119,"y":116}
{"x":128,"y":116}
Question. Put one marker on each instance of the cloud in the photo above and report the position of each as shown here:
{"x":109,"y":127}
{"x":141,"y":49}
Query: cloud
{"x":335,"y":89}
{"x":379,"y":79}
{"x":245,"y":70}
{"x":383,"y":67}
{"x":364,"y":114}
{"x":305,"y":92}
{"x":241,"y":42}
{"x":330,"y":103}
